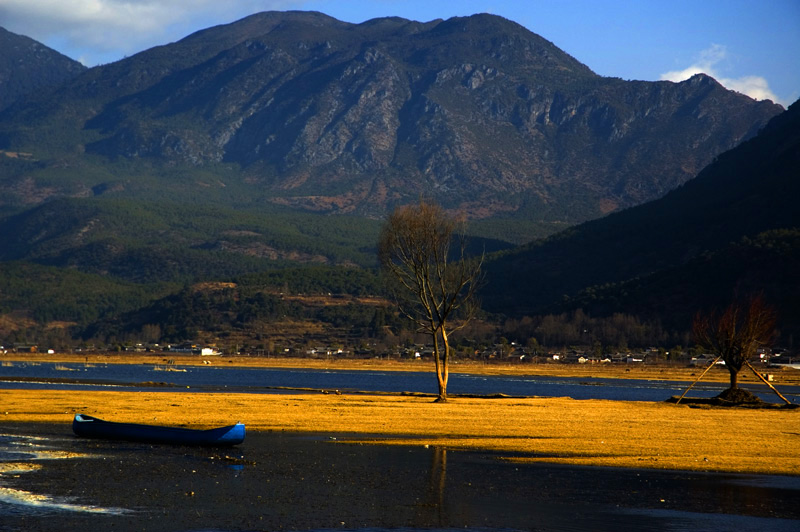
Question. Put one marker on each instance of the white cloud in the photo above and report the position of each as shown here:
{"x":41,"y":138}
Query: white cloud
{"x":753,"y":86}
{"x":113,"y":28}
{"x":704,"y":64}
{"x":709,"y":61}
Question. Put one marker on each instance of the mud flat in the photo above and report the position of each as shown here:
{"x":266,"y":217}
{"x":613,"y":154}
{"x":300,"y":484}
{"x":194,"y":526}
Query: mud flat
{"x":292,"y":481}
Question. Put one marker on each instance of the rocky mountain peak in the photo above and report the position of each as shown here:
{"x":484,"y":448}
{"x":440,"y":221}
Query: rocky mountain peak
{"x":318,"y":114}
{"x":27,"y":66}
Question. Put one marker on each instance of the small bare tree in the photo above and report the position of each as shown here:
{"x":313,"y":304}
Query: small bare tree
{"x":433,"y":291}
{"x":736,"y":334}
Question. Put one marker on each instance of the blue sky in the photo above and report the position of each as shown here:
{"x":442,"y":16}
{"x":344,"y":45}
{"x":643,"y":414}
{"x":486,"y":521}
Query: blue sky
{"x":748,"y":45}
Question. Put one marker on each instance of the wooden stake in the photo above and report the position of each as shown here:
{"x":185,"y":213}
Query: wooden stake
{"x":760,"y":376}
{"x":697,"y":380}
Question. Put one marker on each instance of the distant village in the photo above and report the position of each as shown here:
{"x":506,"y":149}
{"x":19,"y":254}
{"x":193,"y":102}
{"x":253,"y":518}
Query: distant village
{"x":498,"y":353}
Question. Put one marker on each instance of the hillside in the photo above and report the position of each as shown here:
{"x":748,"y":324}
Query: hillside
{"x":27,"y":66}
{"x":732,"y":228}
{"x":164,"y":241}
{"x":294,"y":307}
{"x":765,"y":264}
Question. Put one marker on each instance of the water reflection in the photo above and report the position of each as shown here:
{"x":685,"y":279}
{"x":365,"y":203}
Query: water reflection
{"x":289,"y":482}
{"x":20,"y":501}
{"x":20,"y":455}
{"x":437,"y":479}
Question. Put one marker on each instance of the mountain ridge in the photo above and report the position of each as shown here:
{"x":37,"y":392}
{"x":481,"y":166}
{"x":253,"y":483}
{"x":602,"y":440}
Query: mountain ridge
{"x":316,"y":114}
{"x":27,"y":65}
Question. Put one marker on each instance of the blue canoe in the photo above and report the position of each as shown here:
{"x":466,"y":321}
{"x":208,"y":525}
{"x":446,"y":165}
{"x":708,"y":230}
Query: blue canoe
{"x":92,"y":427}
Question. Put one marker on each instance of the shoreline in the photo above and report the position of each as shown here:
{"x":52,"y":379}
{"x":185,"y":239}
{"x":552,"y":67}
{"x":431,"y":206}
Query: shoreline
{"x":662,"y":371}
{"x":537,"y":430}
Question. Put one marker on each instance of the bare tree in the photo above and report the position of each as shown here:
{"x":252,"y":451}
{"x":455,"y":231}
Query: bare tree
{"x":736,"y":334}
{"x":435,"y":292}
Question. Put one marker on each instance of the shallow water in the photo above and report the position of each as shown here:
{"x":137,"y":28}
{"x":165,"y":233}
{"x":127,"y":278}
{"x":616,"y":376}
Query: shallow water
{"x":268,"y":380}
{"x":22,"y":454}
{"x":277,"y":481}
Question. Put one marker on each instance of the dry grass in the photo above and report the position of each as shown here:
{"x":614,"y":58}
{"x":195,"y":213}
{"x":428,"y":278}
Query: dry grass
{"x":558,"y":430}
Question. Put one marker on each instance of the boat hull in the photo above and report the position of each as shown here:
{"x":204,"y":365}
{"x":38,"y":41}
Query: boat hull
{"x":92,"y":427}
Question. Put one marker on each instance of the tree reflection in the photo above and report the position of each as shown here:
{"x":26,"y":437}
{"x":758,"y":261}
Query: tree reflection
{"x":437,"y":479}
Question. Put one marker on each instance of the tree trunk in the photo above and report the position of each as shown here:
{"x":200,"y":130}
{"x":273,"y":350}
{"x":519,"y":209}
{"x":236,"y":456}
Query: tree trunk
{"x":441,"y":370}
{"x":734,"y":376}
{"x":445,"y":364}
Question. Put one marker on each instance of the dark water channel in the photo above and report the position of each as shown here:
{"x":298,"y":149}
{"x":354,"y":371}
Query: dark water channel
{"x":263,"y":380}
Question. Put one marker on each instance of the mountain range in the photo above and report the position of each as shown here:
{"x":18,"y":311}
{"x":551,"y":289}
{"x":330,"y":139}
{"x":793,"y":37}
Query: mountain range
{"x":285,"y":137}
{"x":302,"y":110}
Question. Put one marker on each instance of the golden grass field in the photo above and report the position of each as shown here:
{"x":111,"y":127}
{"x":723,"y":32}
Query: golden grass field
{"x":557,"y":430}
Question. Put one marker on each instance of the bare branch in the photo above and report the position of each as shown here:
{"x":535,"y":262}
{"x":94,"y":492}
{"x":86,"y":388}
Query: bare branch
{"x":737,"y":333}
{"x":414,"y":249}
